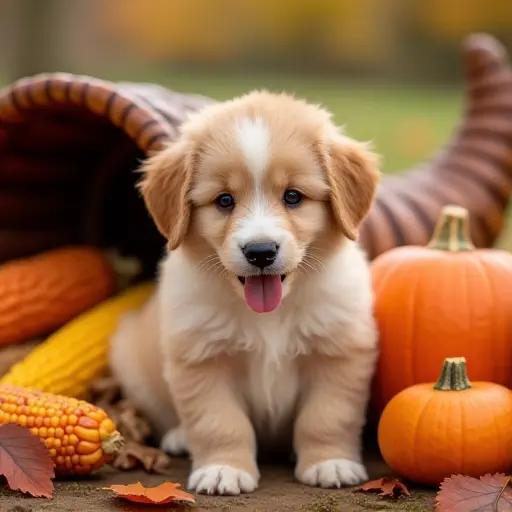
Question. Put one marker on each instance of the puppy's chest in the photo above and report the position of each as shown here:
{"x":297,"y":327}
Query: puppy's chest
{"x":269,"y":377}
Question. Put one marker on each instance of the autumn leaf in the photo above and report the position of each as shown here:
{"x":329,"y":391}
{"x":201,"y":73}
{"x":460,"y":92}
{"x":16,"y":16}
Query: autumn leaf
{"x":167,"y":492}
{"x":489,"y":493}
{"x":388,"y":487}
{"x":25,"y":461}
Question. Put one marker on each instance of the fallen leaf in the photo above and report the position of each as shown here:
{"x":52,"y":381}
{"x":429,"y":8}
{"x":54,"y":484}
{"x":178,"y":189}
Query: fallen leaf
{"x":167,"y":492}
{"x":388,"y":487}
{"x":489,"y":493}
{"x":25,"y":461}
{"x":134,"y":454}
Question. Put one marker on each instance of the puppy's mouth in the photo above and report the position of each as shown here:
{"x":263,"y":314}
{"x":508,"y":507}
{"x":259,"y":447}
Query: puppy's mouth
{"x":263,"y":293}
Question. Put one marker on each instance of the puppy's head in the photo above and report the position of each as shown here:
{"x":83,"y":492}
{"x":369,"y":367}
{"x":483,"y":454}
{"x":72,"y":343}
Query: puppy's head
{"x":263,"y":186}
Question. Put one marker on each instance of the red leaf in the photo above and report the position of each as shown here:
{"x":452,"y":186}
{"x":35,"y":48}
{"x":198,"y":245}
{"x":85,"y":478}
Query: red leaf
{"x":25,"y":461}
{"x":167,"y":492}
{"x":489,"y":493}
{"x":389,"y":487}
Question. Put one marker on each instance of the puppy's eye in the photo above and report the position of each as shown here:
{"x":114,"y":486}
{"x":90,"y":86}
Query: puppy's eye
{"x":292,"y":197}
{"x":225,"y":202}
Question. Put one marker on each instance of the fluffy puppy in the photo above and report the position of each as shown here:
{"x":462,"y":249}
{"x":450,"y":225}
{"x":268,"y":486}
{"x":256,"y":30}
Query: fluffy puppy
{"x":261,"y":333}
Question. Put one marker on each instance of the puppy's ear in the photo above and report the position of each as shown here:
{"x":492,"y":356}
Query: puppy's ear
{"x":165,"y":185}
{"x":353,"y":175}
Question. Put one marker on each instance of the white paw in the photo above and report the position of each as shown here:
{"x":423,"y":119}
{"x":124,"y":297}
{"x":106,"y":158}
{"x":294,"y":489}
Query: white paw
{"x":225,"y":480}
{"x":174,"y":442}
{"x":334,"y":473}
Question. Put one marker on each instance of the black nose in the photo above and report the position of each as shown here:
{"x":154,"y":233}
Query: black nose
{"x":261,"y":254}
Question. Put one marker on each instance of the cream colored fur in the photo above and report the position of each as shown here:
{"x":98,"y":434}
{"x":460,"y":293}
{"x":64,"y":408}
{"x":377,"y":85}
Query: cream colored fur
{"x":218,"y":379}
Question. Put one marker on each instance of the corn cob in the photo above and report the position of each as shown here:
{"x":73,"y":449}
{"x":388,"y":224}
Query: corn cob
{"x":74,"y":356}
{"x":79,"y":436}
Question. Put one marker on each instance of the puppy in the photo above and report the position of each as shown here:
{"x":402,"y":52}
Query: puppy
{"x":261,"y":333}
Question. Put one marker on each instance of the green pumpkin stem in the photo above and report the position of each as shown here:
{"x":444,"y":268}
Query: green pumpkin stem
{"x":453,"y":375}
{"x":452,"y":231}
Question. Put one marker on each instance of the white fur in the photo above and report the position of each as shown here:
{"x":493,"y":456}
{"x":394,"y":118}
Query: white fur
{"x":334,"y":473}
{"x":219,"y":479}
{"x":253,"y":137}
{"x":174,"y":442}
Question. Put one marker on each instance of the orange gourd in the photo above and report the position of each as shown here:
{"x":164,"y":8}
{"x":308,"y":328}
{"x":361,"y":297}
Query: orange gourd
{"x":436,"y":301}
{"x":428,"y":432}
{"x":41,"y":293}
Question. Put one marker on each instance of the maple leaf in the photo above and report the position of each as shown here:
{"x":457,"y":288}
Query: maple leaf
{"x":489,"y":493}
{"x":167,"y":492}
{"x":388,"y":487}
{"x":25,"y":461}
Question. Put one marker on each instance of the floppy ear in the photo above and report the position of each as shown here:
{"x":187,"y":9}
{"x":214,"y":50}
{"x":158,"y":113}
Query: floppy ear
{"x":353,"y":174}
{"x":165,"y":186}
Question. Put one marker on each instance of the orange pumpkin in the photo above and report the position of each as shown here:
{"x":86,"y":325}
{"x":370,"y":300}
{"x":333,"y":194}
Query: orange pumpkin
{"x":436,"y":301}
{"x":428,"y":432}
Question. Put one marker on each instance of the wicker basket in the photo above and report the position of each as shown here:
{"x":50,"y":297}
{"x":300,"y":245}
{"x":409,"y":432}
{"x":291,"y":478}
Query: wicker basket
{"x":69,"y":146}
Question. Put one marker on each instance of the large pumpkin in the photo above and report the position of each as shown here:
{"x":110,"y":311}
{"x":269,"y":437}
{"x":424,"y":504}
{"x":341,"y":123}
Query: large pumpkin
{"x":429,"y":432}
{"x":445,"y":299}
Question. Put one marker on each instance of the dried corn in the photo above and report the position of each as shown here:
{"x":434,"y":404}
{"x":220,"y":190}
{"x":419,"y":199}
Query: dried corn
{"x":74,"y":356}
{"x":80,"y":437}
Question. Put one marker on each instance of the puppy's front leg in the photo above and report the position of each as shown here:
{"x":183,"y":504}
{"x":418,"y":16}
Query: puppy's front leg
{"x":219,"y":433}
{"x":328,"y":429}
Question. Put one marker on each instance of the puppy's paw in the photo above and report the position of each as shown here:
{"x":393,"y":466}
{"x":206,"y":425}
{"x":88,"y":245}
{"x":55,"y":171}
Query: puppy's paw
{"x":219,"y":479}
{"x":174,"y":442}
{"x":334,"y":473}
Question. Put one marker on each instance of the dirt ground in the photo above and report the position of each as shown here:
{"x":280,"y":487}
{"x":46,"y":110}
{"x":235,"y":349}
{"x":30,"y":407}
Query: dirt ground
{"x":278,"y":492}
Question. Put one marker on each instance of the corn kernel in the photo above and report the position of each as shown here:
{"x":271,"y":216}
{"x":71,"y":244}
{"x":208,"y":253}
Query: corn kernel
{"x":73,"y":439}
{"x":60,"y":459}
{"x":46,"y":422}
{"x":72,"y":420}
{"x":57,"y":443}
{"x":34,"y":430}
{"x":43,"y":432}
{"x":85,"y":447}
{"x":59,"y":432}
{"x":51,"y":432}
{"x":70,"y":450}
{"x":54,"y":421}
{"x":68,"y":462}
{"x":38,"y":422}
{"x":5,"y":407}
{"x":75,"y":459}
{"x":87,"y":435}
{"x":106,"y":428}
{"x":14,"y":418}
{"x":69,"y":429}
{"x":48,"y":442}
{"x":92,"y":458}
{"x":50,"y":411}
{"x":41,"y":411}
{"x":30,"y":421}
{"x":86,"y":422}
{"x":53,"y":452}
{"x":22,"y":420}
{"x":65,"y":440}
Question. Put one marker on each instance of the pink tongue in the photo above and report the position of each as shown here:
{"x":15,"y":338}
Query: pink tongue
{"x":263,"y":293}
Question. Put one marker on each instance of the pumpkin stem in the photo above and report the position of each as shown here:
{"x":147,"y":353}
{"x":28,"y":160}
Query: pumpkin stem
{"x":452,"y":230}
{"x":453,"y":375}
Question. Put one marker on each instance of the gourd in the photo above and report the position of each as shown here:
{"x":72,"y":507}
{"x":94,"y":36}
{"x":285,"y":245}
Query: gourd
{"x":69,"y":361}
{"x":436,"y":301}
{"x":428,"y":432}
{"x":41,"y":293}
{"x":79,"y":436}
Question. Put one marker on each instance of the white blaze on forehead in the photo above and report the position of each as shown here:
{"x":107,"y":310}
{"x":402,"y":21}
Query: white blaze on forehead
{"x":254,"y":141}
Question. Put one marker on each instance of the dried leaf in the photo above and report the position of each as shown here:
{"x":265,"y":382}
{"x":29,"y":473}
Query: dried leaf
{"x":167,"y":492}
{"x":489,"y":493}
{"x":25,"y":461}
{"x":388,"y":487}
{"x":134,"y":454}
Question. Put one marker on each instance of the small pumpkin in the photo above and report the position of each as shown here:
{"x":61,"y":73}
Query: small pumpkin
{"x":428,"y":432}
{"x":443,"y":299}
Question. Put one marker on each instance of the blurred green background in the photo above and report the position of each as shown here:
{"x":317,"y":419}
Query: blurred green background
{"x":389,"y":69}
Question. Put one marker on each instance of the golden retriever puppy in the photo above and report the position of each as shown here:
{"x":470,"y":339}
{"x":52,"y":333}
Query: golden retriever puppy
{"x":261,"y":333}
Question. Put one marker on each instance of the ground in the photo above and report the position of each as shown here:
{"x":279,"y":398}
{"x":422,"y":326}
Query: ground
{"x":278,"y":492}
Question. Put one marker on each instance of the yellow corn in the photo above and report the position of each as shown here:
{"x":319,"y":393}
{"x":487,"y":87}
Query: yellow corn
{"x":70,"y":360}
{"x":79,"y":436}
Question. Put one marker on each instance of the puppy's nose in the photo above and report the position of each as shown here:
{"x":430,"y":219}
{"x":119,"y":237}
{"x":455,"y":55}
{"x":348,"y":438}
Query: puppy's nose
{"x":260,"y":254}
